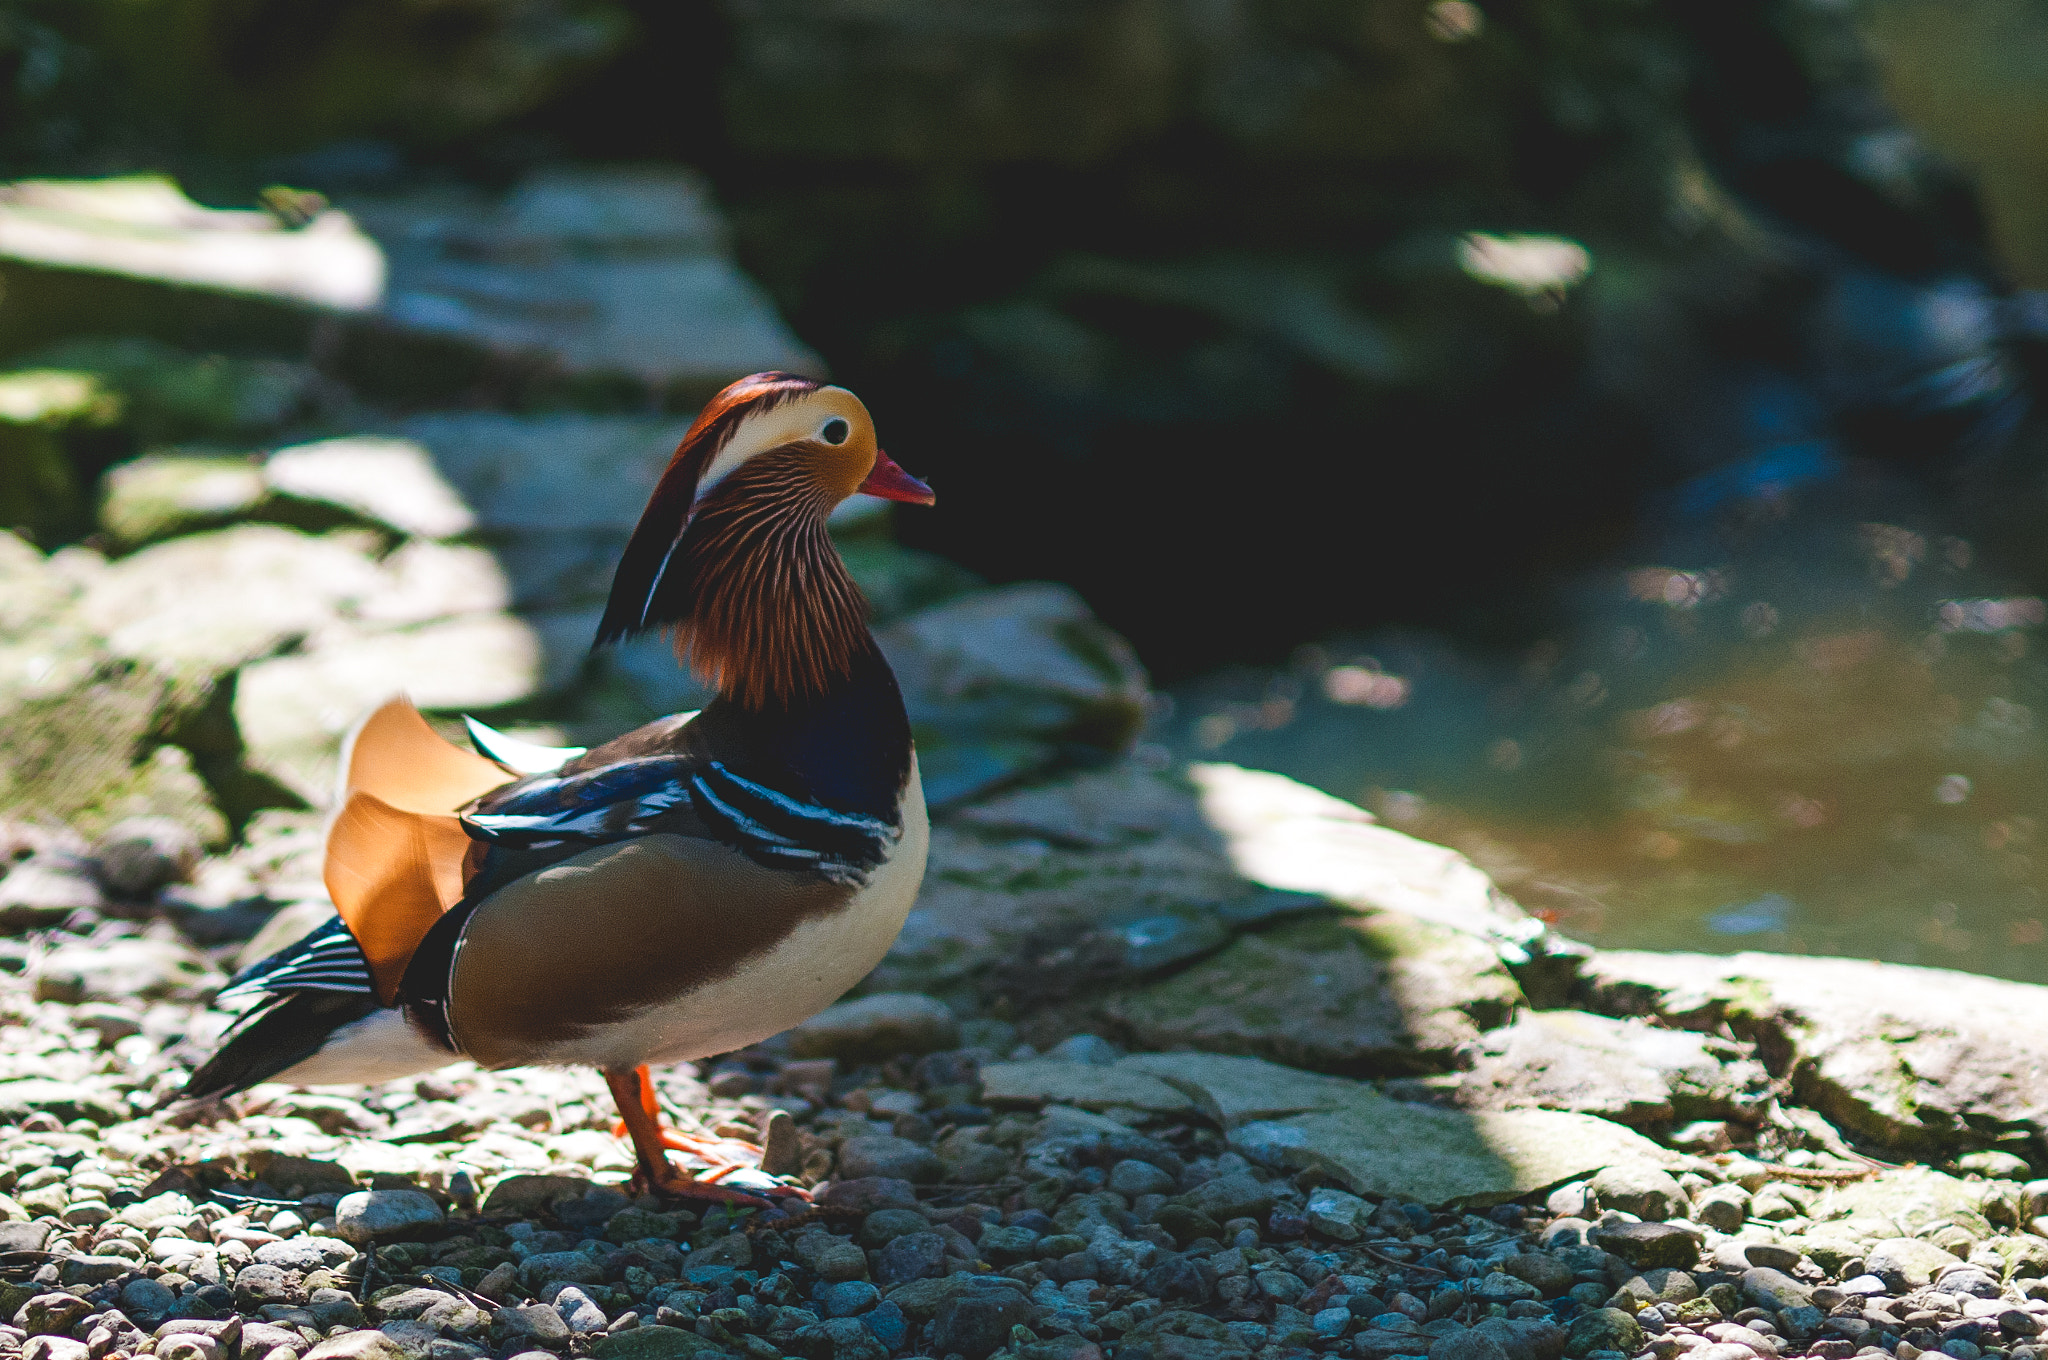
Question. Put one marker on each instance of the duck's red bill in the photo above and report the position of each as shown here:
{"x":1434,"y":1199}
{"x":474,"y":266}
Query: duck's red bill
{"x":892,"y":483}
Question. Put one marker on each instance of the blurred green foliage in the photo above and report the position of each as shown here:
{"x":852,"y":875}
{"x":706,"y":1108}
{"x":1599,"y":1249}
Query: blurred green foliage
{"x":132,"y":80}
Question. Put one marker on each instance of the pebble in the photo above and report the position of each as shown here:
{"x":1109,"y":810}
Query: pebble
{"x":370,"y":1216}
{"x":1770,"y":1255}
{"x":888,"y":1324}
{"x":356,"y":1346}
{"x":1773,"y":1289}
{"x":877,"y":1026}
{"x":1337,"y":1214}
{"x":1645,"y":1192}
{"x":1649,"y":1244}
{"x":888,"y":1157}
{"x":1132,"y":1178}
{"x":848,"y":1297}
{"x":579,"y":1311}
{"x":1906,"y":1263}
{"x":140,"y":855}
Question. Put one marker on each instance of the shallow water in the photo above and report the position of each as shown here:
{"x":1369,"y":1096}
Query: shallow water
{"x":1808,"y":732}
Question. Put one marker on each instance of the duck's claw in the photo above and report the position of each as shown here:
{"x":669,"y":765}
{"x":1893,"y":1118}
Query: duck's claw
{"x":680,"y":1185}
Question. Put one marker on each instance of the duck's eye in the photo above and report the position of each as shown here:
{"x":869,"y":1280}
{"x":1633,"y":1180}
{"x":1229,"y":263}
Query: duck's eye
{"x":834,"y":431}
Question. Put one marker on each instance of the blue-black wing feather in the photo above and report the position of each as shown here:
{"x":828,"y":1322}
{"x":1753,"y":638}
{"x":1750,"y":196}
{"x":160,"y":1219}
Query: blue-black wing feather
{"x":633,"y":797}
{"x":304,"y":992}
{"x":326,"y":960}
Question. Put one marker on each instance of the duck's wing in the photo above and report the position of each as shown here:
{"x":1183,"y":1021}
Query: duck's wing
{"x":327,"y":959}
{"x":686,"y":793}
{"x":519,"y":757}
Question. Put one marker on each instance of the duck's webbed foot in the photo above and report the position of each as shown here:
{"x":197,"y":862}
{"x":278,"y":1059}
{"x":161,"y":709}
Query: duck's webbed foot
{"x":634,"y":1092}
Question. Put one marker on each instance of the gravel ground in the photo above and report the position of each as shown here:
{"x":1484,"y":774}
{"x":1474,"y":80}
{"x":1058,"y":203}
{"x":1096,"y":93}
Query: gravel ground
{"x":496,"y":1223}
{"x":470,"y":1213}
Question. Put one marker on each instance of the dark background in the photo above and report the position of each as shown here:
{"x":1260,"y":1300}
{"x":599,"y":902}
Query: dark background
{"x":1166,"y":297}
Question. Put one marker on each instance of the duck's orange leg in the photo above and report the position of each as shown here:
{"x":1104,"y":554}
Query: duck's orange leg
{"x":634,"y":1091}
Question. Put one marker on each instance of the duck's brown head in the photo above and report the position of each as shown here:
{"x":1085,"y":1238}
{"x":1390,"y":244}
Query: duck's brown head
{"x":732,"y":552}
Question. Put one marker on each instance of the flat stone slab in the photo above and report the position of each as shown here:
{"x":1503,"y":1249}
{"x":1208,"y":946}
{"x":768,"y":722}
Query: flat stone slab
{"x":599,"y":270}
{"x":1287,"y":835}
{"x":293,"y":711}
{"x":1083,"y":888}
{"x":1918,"y":1061}
{"x":1233,"y":1090}
{"x":144,"y":227}
{"x":1376,"y":1146}
{"x":1096,"y":810}
{"x":217,"y":600}
{"x":548,"y":473}
{"x":1625,"y":1070}
{"x":1031,"y":904}
{"x":1898,"y":1202}
{"x":391,"y":481}
{"x":1375,"y":995}
{"x":1088,"y":1086}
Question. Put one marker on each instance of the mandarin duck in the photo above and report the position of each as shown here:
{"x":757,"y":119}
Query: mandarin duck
{"x":692,"y":887}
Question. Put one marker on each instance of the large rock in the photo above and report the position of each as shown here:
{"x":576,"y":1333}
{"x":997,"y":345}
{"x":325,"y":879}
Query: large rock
{"x":85,"y":726}
{"x":1375,"y":1146}
{"x":1041,"y":896}
{"x":373,"y":481}
{"x":598,"y":273}
{"x":390,"y":481}
{"x":1284,"y":834}
{"x":292,"y":711}
{"x":1365,"y":995}
{"x":162,"y":494}
{"x":553,"y":474}
{"x":1624,"y":1070}
{"x":145,"y":228}
{"x":1082,"y":886}
{"x":426,"y":620}
{"x":994,"y":681}
{"x":1893,"y":1054}
{"x":555,"y":497}
{"x":218,"y":600}
{"x":1094,"y":810}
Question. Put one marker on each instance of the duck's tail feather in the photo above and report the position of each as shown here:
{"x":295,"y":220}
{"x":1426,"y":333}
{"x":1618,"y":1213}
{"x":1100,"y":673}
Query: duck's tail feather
{"x":276,"y":1037}
{"x":312,"y":998}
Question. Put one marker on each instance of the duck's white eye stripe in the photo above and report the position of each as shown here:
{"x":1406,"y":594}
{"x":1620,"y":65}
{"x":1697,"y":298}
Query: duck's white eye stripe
{"x":835,"y":431}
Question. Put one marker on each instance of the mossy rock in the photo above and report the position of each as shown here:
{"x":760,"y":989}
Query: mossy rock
{"x":1359,"y":996}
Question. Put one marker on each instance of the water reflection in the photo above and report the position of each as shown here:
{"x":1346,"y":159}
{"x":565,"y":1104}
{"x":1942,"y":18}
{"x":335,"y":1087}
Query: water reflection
{"x":1818,"y":734}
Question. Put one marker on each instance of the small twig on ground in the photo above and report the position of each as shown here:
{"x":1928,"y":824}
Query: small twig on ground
{"x":1404,"y":1265}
